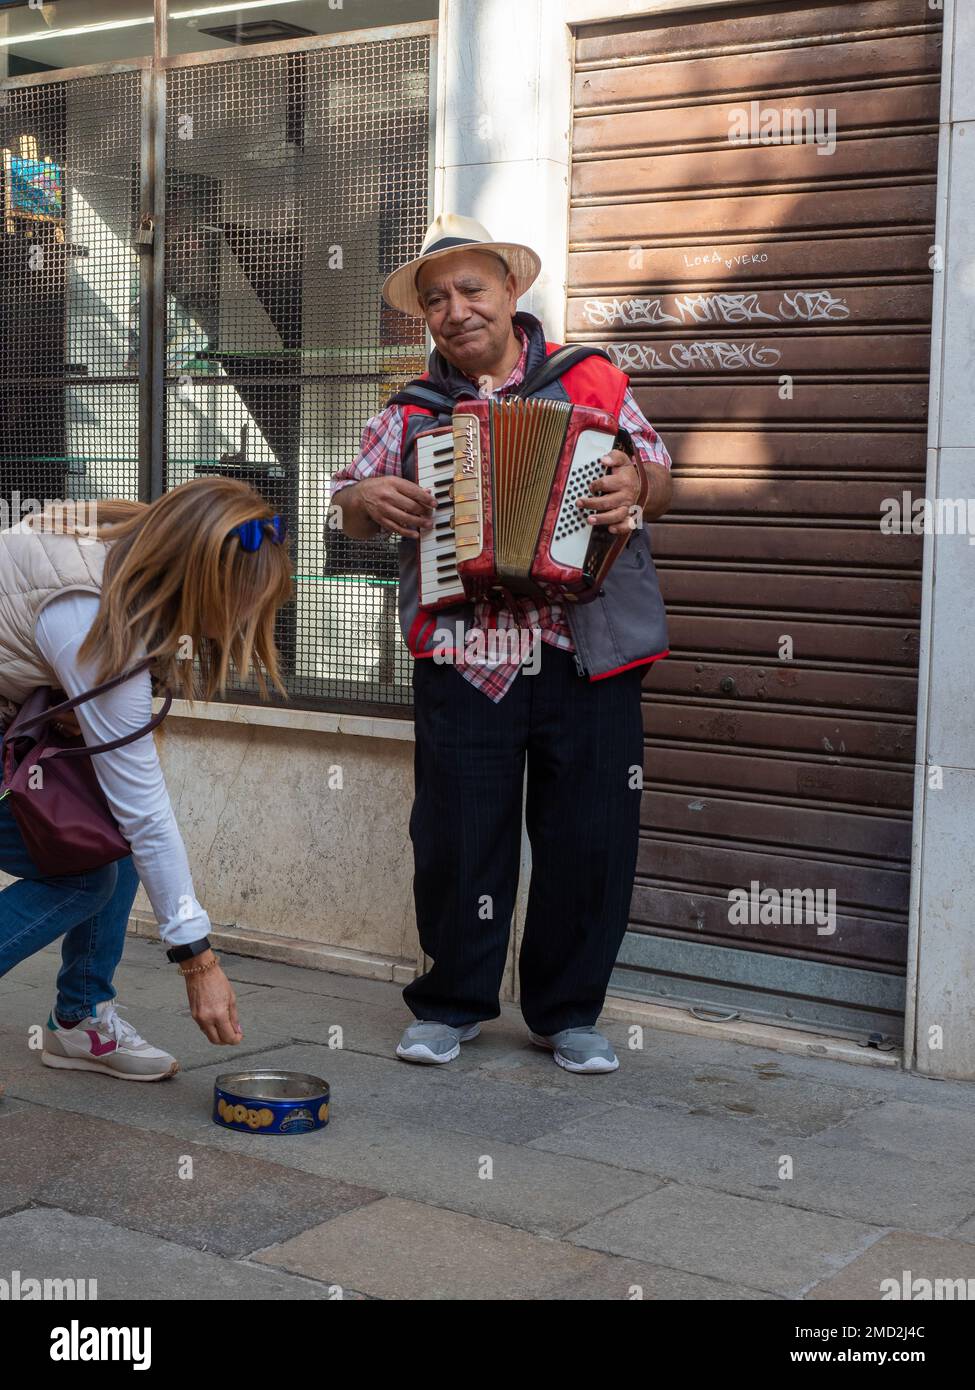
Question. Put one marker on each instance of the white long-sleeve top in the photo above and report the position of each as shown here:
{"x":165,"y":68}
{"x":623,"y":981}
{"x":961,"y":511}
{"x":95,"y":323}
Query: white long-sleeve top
{"x":130,"y":777}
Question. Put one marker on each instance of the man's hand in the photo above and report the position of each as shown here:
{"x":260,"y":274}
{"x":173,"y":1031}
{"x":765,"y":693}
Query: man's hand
{"x":614,"y":496}
{"x":395,"y":504}
{"x":213,"y":1003}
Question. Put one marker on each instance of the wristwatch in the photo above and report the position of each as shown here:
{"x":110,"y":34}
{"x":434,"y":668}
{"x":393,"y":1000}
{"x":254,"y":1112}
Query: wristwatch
{"x":190,"y":948}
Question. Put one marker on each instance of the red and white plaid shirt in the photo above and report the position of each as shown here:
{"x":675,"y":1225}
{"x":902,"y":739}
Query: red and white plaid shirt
{"x":380,"y":455}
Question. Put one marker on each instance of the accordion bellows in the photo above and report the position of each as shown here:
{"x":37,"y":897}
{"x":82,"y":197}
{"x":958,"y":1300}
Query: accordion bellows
{"x":506,"y":475}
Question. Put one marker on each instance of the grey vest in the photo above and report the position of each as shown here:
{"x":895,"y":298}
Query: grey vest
{"x":626,"y":625}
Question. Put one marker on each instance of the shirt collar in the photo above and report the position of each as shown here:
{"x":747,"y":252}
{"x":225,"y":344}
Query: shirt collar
{"x":517,"y":373}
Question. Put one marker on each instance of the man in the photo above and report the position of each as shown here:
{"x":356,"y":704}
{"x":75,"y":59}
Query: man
{"x":573,"y":715}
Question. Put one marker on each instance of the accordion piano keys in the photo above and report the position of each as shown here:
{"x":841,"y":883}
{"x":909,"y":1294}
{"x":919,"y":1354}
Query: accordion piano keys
{"x":508,"y":521}
{"x":439,"y":581}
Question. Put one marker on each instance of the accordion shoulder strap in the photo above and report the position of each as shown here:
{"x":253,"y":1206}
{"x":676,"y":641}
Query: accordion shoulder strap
{"x":421,"y":394}
{"x":418,"y":393}
{"x":557,"y":365}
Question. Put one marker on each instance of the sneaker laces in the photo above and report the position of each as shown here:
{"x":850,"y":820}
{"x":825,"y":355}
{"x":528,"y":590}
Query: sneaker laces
{"x":120,"y":1028}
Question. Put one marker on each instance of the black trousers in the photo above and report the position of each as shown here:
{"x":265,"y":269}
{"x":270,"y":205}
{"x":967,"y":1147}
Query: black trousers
{"x":583,"y":742}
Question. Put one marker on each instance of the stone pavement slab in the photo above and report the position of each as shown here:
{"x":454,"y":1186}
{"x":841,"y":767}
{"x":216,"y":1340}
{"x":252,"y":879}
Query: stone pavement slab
{"x":534,"y":1191}
{"x":10,"y":985}
{"x":662,"y":1179}
{"x":415,"y":1158}
{"x":928,"y":1133}
{"x":903,"y":1257}
{"x":744,"y":1157}
{"x":230,"y":1203}
{"x":966,"y":1231}
{"x":798,"y":1105}
{"x":634,"y":1280}
{"x":690,"y":1050}
{"x":779,"y":1249}
{"x":405,"y":1250}
{"x":44,"y":1243}
{"x":540,"y":1192}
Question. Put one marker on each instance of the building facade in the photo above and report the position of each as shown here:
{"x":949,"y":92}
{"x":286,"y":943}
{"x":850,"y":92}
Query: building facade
{"x":761,"y":212}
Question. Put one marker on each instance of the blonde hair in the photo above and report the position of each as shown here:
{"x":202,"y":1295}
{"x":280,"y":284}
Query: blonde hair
{"x":177,"y":581}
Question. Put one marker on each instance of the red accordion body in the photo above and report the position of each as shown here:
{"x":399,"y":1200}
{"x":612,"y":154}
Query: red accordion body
{"x":506,"y":475}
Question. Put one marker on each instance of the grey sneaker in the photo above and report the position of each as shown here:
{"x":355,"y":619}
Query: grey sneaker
{"x":427,"y":1042}
{"x":579,"y":1049}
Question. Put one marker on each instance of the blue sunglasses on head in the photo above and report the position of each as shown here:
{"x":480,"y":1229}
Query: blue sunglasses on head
{"x":251,"y":533}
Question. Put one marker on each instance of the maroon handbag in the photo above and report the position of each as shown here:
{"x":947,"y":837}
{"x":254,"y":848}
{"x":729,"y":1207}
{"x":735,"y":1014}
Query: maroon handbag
{"x":65,"y":819}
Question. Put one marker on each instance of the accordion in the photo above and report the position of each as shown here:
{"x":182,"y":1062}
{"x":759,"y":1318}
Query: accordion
{"x":505,"y":476}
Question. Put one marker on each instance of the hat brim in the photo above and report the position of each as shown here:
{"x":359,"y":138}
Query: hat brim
{"x":399,"y":290}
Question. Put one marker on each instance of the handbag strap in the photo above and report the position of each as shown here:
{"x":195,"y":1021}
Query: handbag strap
{"x":84,"y":752}
{"x":39,"y":720}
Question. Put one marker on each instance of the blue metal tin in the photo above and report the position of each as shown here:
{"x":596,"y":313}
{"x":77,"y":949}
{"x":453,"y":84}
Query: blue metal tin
{"x":270,"y":1102}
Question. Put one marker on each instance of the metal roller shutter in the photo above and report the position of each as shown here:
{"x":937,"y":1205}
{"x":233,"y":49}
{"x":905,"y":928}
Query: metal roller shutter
{"x":772,"y":305}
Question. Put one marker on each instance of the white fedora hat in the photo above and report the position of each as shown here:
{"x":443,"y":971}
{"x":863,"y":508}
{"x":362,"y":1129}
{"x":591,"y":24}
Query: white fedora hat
{"x":450,"y":232}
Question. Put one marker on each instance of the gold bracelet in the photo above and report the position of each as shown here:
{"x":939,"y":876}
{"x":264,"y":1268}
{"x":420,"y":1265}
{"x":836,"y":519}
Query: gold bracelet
{"x":200,"y":969}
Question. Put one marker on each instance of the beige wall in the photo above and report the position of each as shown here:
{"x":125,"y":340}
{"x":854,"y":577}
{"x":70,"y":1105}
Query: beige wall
{"x":297,"y":829}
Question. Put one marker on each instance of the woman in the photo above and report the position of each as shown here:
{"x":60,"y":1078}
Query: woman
{"x":200,"y":573}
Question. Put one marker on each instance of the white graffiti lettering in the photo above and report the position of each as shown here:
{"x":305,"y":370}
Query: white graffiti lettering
{"x":807,"y":306}
{"x":637,"y":357}
{"x":813,"y":304}
{"x":720,"y":308}
{"x":698,"y":356}
{"x":604,"y":313}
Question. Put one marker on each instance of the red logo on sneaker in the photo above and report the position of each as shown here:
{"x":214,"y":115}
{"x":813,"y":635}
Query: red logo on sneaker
{"x":99,"y":1048}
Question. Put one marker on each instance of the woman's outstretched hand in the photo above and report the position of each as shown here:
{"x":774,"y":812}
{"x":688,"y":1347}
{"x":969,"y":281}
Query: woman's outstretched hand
{"x":213,"y":1003}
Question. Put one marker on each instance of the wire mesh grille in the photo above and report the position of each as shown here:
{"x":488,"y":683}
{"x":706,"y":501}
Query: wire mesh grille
{"x":69,"y":292}
{"x":294,"y":184}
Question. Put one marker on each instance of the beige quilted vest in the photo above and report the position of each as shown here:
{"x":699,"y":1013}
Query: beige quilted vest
{"x":36,"y":566}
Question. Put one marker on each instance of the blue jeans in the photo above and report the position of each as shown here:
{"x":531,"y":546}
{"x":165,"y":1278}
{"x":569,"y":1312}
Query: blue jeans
{"x":90,"y":911}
